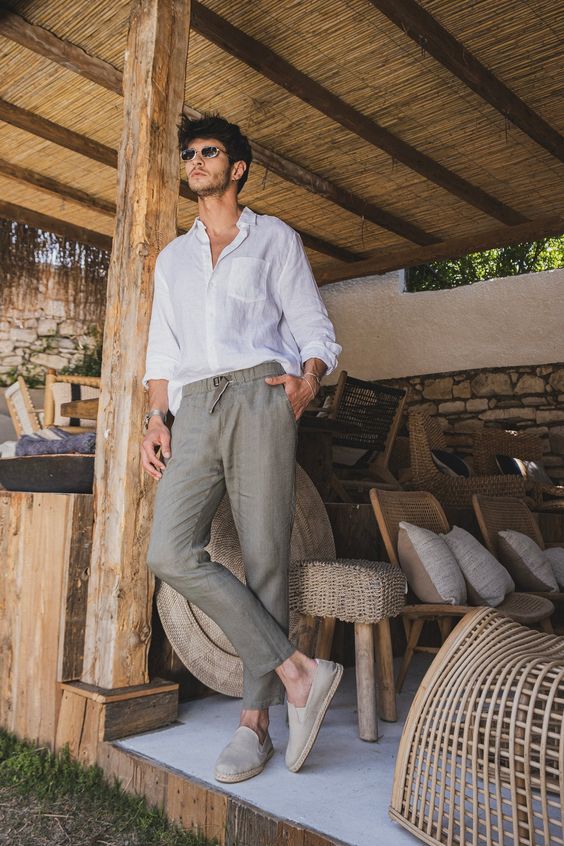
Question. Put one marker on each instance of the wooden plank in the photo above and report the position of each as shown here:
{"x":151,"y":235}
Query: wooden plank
{"x":151,"y":781}
{"x":72,"y":714}
{"x":10,"y":523}
{"x":216,"y":816}
{"x":247,"y":825}
{"x":10,"y":211}
{"x":289,"y":834}
{"x":75,"y":590}
{"x":118,"y":624}
{"x":388,"y":260}
{"x":258,"y":56}
{"x":46,"y":183}
{"x":438,"y":42}
{"x":182,"y":803}
{"x":120,"y":694}
{"x":74,"y":58}
{"x":132,"y":716}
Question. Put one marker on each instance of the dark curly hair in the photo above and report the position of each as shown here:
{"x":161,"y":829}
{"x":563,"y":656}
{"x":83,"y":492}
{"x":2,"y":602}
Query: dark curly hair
{"x":214,"y":126}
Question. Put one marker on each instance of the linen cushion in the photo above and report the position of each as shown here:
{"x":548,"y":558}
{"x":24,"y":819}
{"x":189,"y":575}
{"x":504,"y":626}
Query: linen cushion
{"x":555,"y":556}
{"x":487,"y":581}
{"x":429,"y":566}
{"x":532,"y":470}
{"x":449,"y":463}
{"x":526,"y":562}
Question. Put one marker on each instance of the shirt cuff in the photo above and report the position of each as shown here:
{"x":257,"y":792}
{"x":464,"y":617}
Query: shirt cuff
{"x":327,"y":353}
{"x":157,"y":374}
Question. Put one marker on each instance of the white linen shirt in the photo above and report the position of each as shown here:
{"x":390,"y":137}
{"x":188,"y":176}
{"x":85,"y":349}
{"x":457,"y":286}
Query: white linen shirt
{"x":259,"y":303}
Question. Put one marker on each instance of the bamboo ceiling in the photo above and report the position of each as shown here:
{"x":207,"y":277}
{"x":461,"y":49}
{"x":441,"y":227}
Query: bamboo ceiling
{"x":458,"y":175}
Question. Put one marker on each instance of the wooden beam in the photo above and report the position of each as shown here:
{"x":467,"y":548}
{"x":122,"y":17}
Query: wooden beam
{"x":118,"y":623}
{"x":387,"y":260}
{"x":10,"y":211}
{"x":219,"y":31}
{"x":70,"y":56}
{"x":56,"y":134}
{"x":75,"y":59}
{"x":426,"y":31}
{"x":49,"y":131}
{"x":46,"y":183}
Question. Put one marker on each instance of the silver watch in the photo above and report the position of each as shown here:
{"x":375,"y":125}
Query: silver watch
{"x":154,"y":412}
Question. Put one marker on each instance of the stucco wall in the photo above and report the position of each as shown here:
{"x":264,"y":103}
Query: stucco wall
{"x":388,"y":333}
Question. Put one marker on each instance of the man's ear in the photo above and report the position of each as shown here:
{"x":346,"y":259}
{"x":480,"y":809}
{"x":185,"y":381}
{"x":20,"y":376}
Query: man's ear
{"x":239,"y":169}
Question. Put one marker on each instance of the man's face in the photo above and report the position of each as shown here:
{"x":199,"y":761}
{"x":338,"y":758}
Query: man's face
{"x":209,"y":177}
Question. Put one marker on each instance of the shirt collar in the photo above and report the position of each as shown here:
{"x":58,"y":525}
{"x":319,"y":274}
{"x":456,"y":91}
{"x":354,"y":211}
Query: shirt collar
{"x":246,"y":218}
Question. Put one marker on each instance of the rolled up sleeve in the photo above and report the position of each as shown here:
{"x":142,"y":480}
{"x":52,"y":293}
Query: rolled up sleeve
{"x":163,"y":352}
{"x":304,"y":309}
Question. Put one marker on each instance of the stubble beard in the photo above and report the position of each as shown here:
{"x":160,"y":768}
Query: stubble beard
{"x":215,"y":188}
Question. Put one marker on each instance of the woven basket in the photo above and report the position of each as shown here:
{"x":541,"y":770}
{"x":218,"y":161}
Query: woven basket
{"x":197,"y":640}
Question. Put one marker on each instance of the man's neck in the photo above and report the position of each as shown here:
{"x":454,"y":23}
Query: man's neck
{"x":219,"y":214}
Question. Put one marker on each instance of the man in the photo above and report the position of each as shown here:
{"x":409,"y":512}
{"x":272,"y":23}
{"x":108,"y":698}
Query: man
{"x":238,"y":343}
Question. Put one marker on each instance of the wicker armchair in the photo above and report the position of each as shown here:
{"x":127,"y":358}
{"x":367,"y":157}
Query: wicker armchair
{"x":499,"y":514}
{"x":422,"y":509}
{"x":25,"y":417}
{"x":425,"y":434}
{"x":488,"y":443}
{"x":480,"y":759}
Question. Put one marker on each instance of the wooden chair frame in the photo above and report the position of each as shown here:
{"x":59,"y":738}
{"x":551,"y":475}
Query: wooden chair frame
{"x":378,"y":473}
{"x":498,"y":514}
{"x":32,"y":412}
{"x":51,"y":377}
{"x":422,"y":509}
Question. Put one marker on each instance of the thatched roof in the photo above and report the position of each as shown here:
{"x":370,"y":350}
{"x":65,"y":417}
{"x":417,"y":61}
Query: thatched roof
{"x":410,"y":152}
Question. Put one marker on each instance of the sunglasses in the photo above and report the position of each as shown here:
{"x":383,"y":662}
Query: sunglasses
{"x":189,"y":154}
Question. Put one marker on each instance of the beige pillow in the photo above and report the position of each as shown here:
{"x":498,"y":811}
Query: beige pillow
{"x":526,"y":562}
{"x":555,"y":556}
{"x":429,"y":566}
{"x":487,"y":581}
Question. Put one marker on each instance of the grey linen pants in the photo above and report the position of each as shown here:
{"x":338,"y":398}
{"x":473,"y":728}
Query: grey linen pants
{"x":246,"y":445}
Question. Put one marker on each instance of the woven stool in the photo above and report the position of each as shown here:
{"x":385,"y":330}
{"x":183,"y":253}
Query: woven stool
{"x":366,"y":593}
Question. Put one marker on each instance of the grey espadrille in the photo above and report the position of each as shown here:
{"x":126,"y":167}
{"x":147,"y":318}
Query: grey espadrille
{"x":305,"y":722}
{"x":243,"y":757}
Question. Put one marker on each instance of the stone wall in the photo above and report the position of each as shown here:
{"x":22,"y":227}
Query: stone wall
{"x":47,"y":323}
{"x":529,"y":398}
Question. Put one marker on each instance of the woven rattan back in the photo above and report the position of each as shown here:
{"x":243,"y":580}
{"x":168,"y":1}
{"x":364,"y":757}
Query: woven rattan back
{"x":499,"y":514}
{"x":425,"y":434}
{"x":375,"y":408}
{"x":480,"y":759}
{"x":487,"y":443}
{"x":417,"y":507}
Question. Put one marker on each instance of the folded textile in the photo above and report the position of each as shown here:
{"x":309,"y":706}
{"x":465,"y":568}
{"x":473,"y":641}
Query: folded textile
{"x":83,"y":443}
{"x":8,"y":449}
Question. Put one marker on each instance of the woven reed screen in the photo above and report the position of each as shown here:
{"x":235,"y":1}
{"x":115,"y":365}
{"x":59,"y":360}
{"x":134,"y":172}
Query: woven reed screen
{"x":481,"y":759}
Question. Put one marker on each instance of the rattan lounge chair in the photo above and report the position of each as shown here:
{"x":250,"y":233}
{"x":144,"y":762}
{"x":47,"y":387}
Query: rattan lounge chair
{"x":499,"y":514}
{"x":481,"y":759}
{"x":423,"y":509}
{"x":488,"y":443}
{"x":425,"y":434}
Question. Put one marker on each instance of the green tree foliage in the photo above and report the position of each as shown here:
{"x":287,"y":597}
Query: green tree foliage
{"x":545,"y":254}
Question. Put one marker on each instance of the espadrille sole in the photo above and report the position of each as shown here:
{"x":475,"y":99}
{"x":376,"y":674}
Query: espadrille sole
{"x":318,"y":721}
{"x":232,"y":779}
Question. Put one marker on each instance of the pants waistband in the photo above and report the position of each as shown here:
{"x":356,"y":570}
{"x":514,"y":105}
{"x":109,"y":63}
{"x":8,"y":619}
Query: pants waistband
{"x":247,"y":374}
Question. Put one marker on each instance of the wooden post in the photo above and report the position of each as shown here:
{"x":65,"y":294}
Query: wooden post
{"x":118,"y":624}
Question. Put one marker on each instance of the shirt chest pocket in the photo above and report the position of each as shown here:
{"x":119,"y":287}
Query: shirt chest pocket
{"x":247,"y":279}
